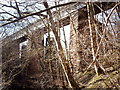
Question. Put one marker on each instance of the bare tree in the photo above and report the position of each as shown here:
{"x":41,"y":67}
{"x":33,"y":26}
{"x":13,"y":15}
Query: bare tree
{"x":33,"y":51}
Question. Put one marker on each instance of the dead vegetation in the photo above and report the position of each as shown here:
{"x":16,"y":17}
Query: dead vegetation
{"x":90,"y":61}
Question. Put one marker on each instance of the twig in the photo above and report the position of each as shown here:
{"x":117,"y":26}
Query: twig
{"x":102,"y":37}
{"x":37,"y":13}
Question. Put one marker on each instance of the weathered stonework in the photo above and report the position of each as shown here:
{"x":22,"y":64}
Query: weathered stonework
{"x":80,"y":42}
{"x":80,"y":52}
{"x":79,"y":34}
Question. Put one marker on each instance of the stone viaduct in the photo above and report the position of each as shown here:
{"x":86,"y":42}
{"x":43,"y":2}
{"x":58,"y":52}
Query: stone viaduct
{"x":11,"y":44}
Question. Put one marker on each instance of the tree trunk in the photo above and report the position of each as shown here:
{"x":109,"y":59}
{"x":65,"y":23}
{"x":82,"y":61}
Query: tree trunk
{"x":62,"y":55}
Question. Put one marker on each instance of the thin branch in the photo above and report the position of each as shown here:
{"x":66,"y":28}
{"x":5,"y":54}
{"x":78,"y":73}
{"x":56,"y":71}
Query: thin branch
{"x":9,"y":13}
{"x":37,"y":13}
{"x":27,"y":13}
{"x":64,"y":71}
{"x":4,"y":5}
{"x":17,"y":8}
{"x":73,"y":83}
{"x":112,"y":12}
{"x":102,"y":37}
